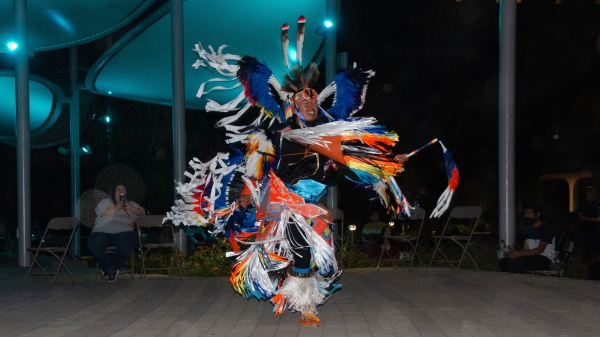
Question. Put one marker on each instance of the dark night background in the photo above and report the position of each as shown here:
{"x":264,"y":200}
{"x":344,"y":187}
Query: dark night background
{"x":436,"y":64}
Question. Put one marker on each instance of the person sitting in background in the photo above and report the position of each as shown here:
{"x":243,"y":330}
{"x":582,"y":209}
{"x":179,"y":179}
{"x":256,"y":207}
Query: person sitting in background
{"x":587,"y":226}
{"x":114,"y":227}
{"x":538,"y":249}
{"x":371,"y":232}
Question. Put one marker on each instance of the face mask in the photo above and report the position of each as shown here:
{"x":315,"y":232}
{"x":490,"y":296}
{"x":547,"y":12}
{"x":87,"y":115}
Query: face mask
{"x":528,"y":221}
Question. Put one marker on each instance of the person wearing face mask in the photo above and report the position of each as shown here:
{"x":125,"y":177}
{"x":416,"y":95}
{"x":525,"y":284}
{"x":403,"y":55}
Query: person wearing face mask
{"x":538,"y":247}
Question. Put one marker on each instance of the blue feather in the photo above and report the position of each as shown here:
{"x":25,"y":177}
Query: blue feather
{"x":348,"y":95}
{"x":254,"y":75}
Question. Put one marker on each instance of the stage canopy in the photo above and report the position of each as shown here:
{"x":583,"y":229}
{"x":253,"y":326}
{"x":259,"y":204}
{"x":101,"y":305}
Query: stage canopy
{"x":52,"y":25}
{"x":138,"y":66}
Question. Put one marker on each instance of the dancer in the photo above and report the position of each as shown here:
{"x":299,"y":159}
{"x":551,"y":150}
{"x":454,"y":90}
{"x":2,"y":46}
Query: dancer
{"x":281,"y":166}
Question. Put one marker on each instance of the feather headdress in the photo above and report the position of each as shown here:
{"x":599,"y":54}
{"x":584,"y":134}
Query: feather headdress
{"x":298,"y":79}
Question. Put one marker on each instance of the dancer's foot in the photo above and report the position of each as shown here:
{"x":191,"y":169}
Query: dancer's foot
{"x":309,"y":320}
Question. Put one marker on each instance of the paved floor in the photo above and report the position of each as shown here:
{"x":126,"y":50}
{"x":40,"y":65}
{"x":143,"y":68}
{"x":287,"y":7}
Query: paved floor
{"x":438,"y":302}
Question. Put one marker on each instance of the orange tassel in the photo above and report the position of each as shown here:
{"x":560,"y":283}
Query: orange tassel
{"x":453,"y":181}
{"x":234,"y":244}
{"x":279,"y":302}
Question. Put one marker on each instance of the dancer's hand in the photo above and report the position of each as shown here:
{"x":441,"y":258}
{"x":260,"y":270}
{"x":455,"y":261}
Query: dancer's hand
{"x":401,"y":158}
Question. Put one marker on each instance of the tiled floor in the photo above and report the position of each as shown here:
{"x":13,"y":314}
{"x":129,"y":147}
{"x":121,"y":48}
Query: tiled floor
{"x":438,"y":302}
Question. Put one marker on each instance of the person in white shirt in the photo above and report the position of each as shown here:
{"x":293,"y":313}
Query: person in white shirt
{"x":538,"y":249}
{"x":114,"y":227}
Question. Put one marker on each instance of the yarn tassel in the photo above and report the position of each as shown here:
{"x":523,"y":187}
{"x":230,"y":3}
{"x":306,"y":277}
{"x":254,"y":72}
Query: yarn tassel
{"x":452,"y":174}
{"x":248,"y":277}
{"x":279,"y":304}
{"x":234,"y":244}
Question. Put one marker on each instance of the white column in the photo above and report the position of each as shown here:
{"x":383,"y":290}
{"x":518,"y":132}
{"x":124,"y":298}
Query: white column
{"x":506,"y":168}
{"x":23,"y":134}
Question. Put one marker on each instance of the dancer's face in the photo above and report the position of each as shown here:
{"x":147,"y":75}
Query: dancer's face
{"x":306,"y":104}
{"x":308,"y":110}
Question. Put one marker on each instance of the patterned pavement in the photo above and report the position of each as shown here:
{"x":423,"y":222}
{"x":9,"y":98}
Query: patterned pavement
{"x":388,"y":302}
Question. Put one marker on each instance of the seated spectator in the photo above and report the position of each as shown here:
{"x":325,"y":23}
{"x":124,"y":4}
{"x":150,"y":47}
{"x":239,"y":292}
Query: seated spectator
{"x":538,"y":249}
{"x":371,"y":232}
{"x":113,"y":227}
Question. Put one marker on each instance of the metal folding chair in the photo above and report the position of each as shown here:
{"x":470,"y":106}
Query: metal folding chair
{"x":338,"y":234}
{"x":59,"y":253}
{"x":469,"y":213}
{"x":561,"y":266}
{"x":156,"y":221}
{"x":416,"y":215}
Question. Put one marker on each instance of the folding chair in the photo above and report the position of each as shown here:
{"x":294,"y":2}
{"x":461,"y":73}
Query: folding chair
{"x":338,"y":234}
{"x":561,"y":266}
{"x":469,"y":213}
{"x":416,"y":214}
{"x":56,"y":224}
{"x":156,"y":221}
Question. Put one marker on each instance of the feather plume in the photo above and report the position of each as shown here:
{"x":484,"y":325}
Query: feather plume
{"x":349,"y":89}
{"x":285,"y":42}
{"x":297,"y":79}
{"x":260,"y":155}
{"x":300,"y":37}
{"x":255,"y":77}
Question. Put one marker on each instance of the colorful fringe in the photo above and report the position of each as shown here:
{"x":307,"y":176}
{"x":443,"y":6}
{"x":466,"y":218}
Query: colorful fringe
{"x":452,"y":175}
{"x":260,"y":155}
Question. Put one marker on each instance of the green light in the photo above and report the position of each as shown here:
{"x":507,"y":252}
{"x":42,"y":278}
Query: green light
{"x":12,"y":45}
{"x":107,"y":119}
{"x":328,"y":23}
